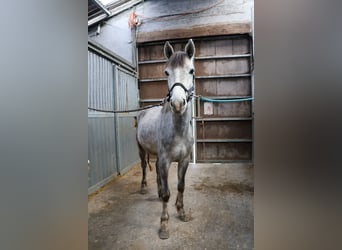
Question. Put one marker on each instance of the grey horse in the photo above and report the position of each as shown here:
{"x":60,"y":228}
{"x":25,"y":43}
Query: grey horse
{"x":167,"y":131}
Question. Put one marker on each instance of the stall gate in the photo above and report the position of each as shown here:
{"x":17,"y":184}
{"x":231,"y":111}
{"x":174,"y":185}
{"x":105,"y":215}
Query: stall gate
{"x":223,"y":65}
{"x":112,"y":145}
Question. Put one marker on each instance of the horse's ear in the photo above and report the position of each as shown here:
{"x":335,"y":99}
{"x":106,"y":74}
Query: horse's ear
{"x":190,"y":48}
{"x":168,"y":50}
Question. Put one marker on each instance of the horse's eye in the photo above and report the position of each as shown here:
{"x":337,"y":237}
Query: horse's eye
{"x":191,"y":71}
{"x":166,"y":73}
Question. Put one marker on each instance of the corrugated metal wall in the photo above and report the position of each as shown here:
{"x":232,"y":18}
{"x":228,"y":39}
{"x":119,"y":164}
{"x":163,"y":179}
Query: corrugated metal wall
{"x":127,"y":93}
{"x":101,"y":127}
{"x":112,"y":146}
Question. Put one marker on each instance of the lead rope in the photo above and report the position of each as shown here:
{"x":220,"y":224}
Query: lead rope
{"x":130,"y":110}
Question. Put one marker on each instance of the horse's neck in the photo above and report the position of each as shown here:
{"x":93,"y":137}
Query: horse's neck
{"x":182,"y":122}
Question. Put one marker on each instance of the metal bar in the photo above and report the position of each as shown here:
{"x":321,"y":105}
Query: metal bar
{"x":100,"y":115}
{"x":223,"y":57}
{"x":205,"y":99}
{"x":224,"y":76}
{"x":200,"y":58}
{"x":194,"y":148}
{"x":225,"y":161}
{"x":150,"y":100}
{"x":102,"y":7}
{"x":152,"y":61}
{"x":224,"y":140}
{"x":194,"y":126}
{"x":97,"y":19}
{"x":127,"y":71}
{"x":111,"y":56}
{"x":252,"y":78}
{"x":215,"y":119}
{"x":120,"y":7}
{"x":198,"y":77}
{"x":114,"y":11}
{"x":226,"y":97}
{"x":198,"y":108}
{"x":153,"y":80}
{"x":116,"y":118}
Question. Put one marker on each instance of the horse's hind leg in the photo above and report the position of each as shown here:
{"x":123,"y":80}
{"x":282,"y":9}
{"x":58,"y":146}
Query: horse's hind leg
{"x":158,"y":180}
{"x":142,"y":155}
{"x":182,"y":167}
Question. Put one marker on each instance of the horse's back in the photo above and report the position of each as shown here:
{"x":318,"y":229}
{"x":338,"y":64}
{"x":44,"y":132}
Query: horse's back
{"x":147,"y":128}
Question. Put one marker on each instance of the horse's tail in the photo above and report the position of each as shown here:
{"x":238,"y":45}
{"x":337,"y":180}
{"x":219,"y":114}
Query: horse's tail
{"x":135,"y":123}
{"x":148,"y":162}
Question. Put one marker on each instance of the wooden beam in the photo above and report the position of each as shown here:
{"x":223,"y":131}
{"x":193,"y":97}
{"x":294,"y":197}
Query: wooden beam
{"x":195,"y":31}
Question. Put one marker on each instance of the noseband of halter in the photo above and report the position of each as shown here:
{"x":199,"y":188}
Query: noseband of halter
{"x":189,"y":92}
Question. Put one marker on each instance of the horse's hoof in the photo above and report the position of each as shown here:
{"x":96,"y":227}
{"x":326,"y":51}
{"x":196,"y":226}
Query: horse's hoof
{"x":184,"y":218}
{"x":164,"y":234}
{"x":143,"y":191}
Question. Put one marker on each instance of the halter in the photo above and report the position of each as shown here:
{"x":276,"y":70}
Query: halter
{"x":189,"y":92}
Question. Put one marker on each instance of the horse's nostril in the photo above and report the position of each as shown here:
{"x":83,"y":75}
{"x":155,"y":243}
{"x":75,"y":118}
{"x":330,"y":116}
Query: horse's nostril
{"x":183,"y":101}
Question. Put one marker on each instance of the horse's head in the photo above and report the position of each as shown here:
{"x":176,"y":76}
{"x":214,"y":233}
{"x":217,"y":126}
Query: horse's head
{"x":180,"y":72}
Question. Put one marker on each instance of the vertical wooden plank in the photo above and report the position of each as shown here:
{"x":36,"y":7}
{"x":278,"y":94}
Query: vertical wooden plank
{"x":241,"y":46}
{"x":154,"y":70}
{"x":205,"y":48}
{"x":234,"y":87}
{"x":224,"y":130}
{"x":232,"y":66}
{"x":230,"y":109}
{"x":153,"y":90}
{"x":205,"y":67}
{"x":223,"y":47}
{"x":206,"y":87}
{"x":224,"y":151}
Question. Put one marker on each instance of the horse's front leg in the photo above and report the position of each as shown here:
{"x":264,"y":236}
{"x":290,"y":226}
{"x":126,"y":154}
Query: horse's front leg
{"x":158,"y":180}
{"x":182,"y":167}
{"x":163,"y":168}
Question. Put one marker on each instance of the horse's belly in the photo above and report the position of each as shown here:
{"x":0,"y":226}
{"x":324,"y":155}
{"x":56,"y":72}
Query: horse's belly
{"x":147,"y":132}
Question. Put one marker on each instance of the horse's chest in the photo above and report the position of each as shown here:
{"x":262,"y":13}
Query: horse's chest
{"x":181,"y":148}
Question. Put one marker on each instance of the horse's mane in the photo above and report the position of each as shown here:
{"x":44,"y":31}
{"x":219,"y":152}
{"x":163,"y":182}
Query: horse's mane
{"x":177,"y":59}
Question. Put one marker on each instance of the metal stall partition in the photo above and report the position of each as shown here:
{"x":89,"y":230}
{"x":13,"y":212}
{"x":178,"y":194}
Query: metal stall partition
{"x":102,"y":157}
{"x":112,"y":147}
{"x":127,"y":97}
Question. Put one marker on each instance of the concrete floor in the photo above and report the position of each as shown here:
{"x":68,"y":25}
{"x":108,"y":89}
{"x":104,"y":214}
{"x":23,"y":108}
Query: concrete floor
{"x":219,"y":198}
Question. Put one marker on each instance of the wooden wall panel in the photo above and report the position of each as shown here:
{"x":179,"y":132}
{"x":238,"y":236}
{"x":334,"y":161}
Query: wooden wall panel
{"x":205,"y":48}
{"x":229,"y":109}
{"x":241,"y":46}
{"x":223,"y":87}
{"x":223,"y":47}
{"x":154,"y":52}
{"x":234,"y":87}
{"x":224,"y":151}
{"x":206,"y":87}
{"x":154,"y":70}
{"x":153,"y":90}
{"x":219,"y":67}
{"x":224,"y":130}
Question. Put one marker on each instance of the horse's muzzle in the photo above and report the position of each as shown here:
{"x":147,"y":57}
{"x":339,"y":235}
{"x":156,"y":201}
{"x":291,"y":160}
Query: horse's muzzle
{"x":178,"y":106}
